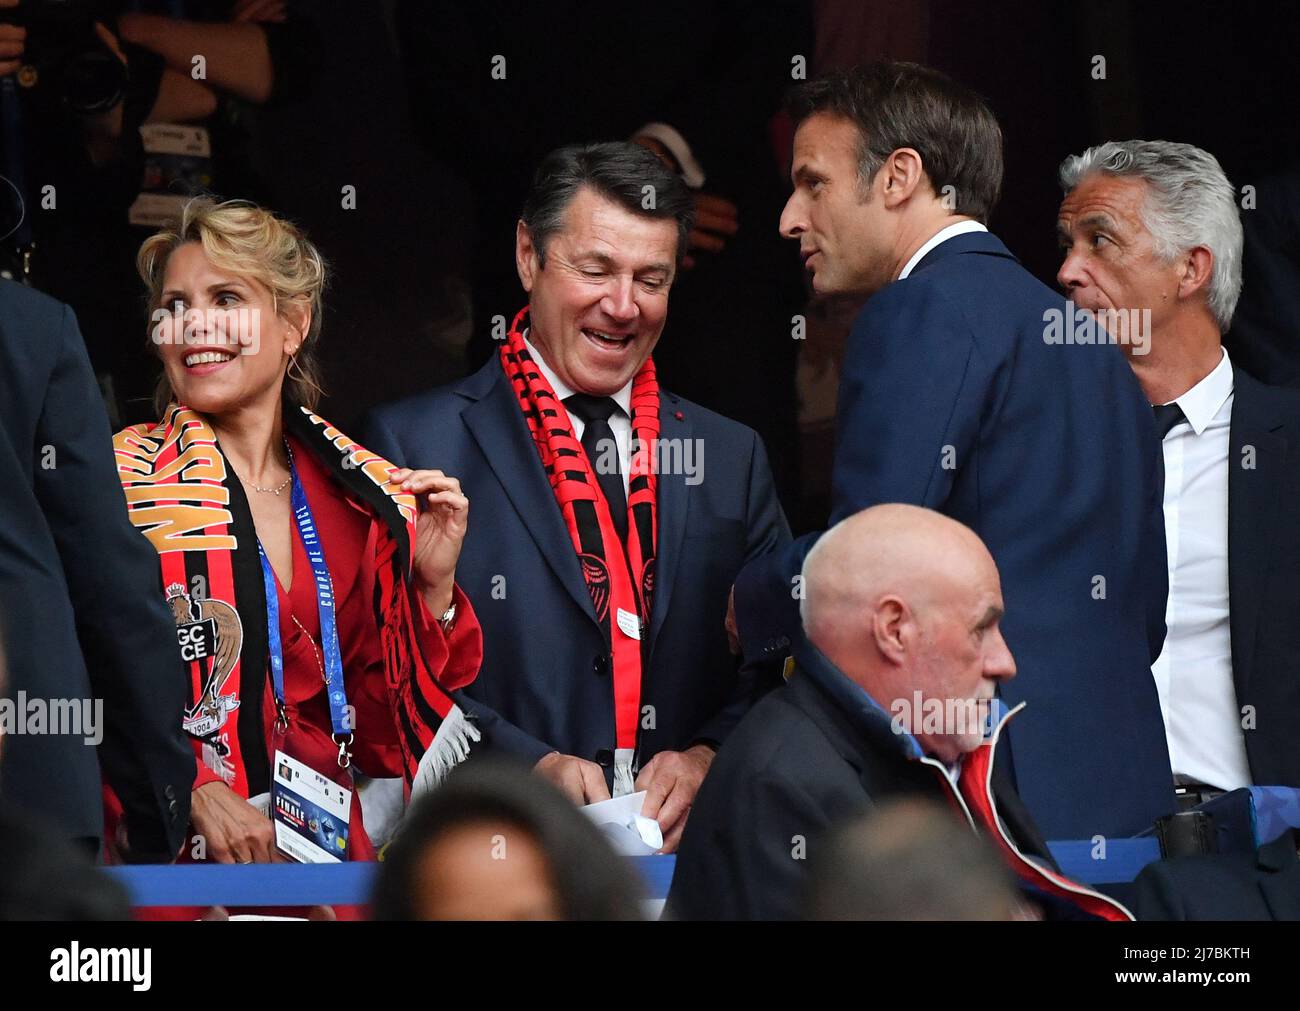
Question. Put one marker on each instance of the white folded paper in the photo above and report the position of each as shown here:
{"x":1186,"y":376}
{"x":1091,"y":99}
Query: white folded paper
{"x":621,"y":820}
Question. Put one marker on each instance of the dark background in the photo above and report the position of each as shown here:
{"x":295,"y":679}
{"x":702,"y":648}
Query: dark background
{"x":1222,"y":76}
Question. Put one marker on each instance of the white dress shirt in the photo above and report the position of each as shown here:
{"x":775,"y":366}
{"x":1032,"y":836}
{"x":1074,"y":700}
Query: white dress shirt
{"x":620,"y":422}
{"x":942,"y":235}
{"x":1193,"y":673}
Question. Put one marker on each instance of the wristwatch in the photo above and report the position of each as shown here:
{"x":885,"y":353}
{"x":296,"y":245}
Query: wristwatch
{"x":448,"y":619}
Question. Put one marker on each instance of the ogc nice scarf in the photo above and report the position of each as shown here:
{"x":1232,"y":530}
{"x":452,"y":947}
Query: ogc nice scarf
{"x":621,"y":584}
{"x":190,"y":505}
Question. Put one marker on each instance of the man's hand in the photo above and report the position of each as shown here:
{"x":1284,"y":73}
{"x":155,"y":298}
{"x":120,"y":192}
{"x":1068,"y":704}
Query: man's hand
{"x":260,"y":10}
{"x":233,"y":830}
{"x":715,"y":221}
{"x":671,"y":780}
{"x":583,"y":782}
{"x":716,"y":218}
{"x":13,"y":40}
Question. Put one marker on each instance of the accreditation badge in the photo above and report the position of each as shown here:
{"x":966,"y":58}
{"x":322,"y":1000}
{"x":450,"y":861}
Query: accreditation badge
{"x":310,"y":812}
{"x":177,"y":166}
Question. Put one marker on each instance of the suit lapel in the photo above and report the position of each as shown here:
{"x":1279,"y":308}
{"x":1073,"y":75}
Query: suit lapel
{"x":498,"y":426}
{"x":1252,"y":507}
{"x":673,"y":502}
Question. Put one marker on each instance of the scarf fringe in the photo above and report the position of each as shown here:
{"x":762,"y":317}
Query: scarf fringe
{"x":450,"y":747}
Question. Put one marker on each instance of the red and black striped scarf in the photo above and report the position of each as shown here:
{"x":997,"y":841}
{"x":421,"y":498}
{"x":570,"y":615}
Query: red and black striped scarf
{"x":619,"y":582}
{"x":187,"y":501}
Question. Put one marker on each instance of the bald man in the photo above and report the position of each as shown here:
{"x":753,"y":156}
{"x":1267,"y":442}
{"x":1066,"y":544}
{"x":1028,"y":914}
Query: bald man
{"x":890,"y":698}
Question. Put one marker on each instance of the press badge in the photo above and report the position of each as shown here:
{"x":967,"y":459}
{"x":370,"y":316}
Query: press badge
{"x":310,"y":812}
{"x":177,"y":166}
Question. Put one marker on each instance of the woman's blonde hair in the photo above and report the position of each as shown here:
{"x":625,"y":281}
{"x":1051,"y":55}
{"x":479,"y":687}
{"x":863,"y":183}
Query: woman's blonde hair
{"x":250,"y":242}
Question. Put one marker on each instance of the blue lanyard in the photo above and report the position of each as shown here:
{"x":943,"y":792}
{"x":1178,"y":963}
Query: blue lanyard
{"x":340,"y":718}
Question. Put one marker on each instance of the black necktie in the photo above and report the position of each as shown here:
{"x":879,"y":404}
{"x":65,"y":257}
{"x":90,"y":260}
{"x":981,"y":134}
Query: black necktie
{"x":1167,"y":416}
{"x":598,"y":441}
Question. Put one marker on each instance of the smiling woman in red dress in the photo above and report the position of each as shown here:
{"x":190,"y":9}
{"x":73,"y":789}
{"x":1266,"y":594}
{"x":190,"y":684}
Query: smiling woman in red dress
{"x":312,"y":583}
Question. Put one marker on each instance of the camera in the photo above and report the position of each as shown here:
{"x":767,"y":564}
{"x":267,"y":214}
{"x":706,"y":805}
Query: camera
{"x":65,"y":61}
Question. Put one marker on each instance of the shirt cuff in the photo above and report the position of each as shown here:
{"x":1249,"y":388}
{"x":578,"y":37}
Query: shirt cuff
{"x":203,"y":776}
{"x":692,"y":171}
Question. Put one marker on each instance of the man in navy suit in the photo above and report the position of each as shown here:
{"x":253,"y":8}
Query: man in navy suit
{"x":597,"y":259}
{"x":1153,"y":227}
{"x":81,"y":613}
{"x":968,"y":388}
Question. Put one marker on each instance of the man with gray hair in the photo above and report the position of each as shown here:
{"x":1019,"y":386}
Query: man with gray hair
{"x":891,"y":698}
{"x":1151,"y":238}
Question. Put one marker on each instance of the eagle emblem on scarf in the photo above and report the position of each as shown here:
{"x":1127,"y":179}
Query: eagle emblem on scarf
{"x":209,"y":634}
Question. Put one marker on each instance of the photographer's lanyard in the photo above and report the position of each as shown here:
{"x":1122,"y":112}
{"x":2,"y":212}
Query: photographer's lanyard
{"x":340,"y":720}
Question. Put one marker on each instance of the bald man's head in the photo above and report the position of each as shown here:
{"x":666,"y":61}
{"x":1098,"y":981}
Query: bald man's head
{"x":905,"y":600}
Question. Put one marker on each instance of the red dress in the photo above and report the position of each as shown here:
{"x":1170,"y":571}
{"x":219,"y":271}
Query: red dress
{"x":348,"y":532}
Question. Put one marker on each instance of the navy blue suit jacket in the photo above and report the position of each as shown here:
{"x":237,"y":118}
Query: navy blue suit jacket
{"x":951,"y":398}
{"x":1264,"y":885}
{"x":545,"y":683}
{"x":1264,"y":573}
{"x":81,"y":607}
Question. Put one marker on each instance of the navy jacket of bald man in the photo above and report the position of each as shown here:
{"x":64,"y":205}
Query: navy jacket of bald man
{"x":954,"y":395}
{"x":545,"y":684}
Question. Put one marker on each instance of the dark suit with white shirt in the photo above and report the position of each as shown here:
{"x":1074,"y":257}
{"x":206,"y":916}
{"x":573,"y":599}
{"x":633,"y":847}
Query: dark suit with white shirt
{"x":1226,"y":675}
{"x":545,"y":683}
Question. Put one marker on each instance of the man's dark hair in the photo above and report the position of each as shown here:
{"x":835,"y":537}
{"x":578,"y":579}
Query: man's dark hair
{"x":619,"y":171}
{"x":896,"y":105}
{"x":593,"y":882}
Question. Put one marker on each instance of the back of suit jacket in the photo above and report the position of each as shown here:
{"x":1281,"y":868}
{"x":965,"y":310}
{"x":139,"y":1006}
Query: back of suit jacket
{"x":959,"y":395}
{"x":545,"y":683}
{"x":81,"y":607}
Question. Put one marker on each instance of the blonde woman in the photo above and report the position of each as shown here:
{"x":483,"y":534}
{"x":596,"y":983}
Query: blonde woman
{"x":312,"y":584}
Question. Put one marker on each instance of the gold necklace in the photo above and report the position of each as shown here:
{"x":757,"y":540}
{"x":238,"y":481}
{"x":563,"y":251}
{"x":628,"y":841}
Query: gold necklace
{"x":283,"y":484}
{"x":271,"y":491}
